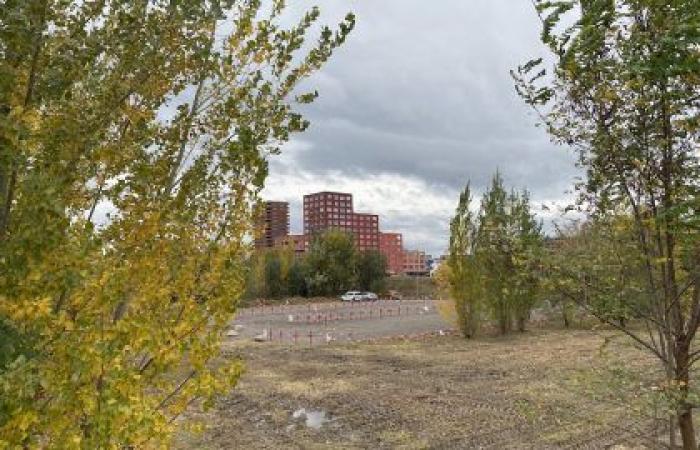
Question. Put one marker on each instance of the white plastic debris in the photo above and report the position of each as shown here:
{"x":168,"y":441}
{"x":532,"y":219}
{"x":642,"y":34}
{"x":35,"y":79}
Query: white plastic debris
{"x":262,"y":337}
{"x":314,"y":419}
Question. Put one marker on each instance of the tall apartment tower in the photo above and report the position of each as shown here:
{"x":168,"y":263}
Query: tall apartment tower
{"x":391,"y":246}
{"x":325,"y":210}
{"x":272,"y":224}
{"x":334,"y":210}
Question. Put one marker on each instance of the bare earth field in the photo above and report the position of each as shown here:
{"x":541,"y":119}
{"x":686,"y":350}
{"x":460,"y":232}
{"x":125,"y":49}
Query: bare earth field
{"x":433,"y":391}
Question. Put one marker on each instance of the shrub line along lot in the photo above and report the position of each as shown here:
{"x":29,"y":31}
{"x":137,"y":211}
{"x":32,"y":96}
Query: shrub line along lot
{"x":442,"y":392}
{"x":340,"y":321}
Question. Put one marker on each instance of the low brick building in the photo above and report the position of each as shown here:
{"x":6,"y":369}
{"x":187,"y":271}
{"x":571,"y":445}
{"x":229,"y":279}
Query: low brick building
{"x":299,"y":242}
{"x":416,"y":263}
{"x":391,"y":246}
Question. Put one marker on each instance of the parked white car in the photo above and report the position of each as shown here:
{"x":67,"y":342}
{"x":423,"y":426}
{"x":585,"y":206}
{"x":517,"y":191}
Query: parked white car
{"x":351,"y":296}
{"x":358,"y":296}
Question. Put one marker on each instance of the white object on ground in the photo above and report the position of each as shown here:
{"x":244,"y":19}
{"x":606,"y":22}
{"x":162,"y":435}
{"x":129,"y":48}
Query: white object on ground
{"x":262,"y":337}
{"x":314,"y":419}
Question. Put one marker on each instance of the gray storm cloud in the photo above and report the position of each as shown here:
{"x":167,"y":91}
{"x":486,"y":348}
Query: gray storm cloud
{"x":421,"y":97}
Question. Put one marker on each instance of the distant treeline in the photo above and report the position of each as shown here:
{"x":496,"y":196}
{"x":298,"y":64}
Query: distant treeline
{"x":331,"y":266}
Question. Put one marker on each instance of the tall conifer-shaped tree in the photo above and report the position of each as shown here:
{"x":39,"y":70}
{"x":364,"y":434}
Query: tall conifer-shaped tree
{"x":495,"y":259}
{"x":464,"y":279}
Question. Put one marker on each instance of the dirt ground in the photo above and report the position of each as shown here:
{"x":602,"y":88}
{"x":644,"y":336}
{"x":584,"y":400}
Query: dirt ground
{"x":438,"y":392}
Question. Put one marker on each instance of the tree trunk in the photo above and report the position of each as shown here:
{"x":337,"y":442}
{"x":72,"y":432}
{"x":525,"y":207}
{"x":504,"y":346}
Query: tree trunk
{"x":3,"y":197}
{"x":685,"y":424}
{"x":521,"y":321}
{"x":503,"y":323}
{"x":682,"y":375}
{"x":7,"y":198}
{"x":565,"y":315}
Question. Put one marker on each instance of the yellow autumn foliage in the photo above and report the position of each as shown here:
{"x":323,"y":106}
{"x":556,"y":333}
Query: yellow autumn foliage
{"x":133,"y":143}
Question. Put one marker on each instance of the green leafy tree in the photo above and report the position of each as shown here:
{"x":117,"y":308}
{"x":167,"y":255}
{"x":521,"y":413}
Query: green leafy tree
{"x":464,"y":278}
{"x":274,"y":278}
{"x":493,"y":253}
{"x":255,"y":287}
{"x":371,"y":271}
{"x":163,"y":112}
{"x":495,"y":259}
{"x":527,"y":256}
{"x":331,"y":263}
{"x":557,"y":251}
{"x":296,"y":279}
{"x":596,"y":266}
{"x":624,"y":93}
{"x":508,"y":252}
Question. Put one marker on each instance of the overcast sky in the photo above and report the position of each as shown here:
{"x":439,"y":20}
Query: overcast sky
{"x":417,"y":102}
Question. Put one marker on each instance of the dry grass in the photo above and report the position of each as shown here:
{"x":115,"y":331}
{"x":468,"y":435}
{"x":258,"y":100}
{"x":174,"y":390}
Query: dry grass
{"x":527,"y":391}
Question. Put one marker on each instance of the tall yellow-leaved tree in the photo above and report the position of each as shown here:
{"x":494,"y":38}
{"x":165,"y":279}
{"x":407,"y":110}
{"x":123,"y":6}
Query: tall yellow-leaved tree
{"x":162,"y":112}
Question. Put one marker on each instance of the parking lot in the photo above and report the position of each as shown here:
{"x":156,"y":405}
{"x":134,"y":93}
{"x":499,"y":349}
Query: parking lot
{"x":325,"y":323}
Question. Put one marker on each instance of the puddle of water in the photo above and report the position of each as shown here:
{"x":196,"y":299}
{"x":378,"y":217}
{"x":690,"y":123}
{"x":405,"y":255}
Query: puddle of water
{"x":314,"y":419}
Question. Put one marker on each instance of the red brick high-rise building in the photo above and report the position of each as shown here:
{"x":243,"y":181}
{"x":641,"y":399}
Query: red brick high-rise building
{"x":271,"y":224}
{"x":334,"y":210}
{"x":326,"y":210}
{"x":391,"y":246}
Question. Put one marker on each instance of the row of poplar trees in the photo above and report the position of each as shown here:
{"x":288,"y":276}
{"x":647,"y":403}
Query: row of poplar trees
{"x":494,"y":259}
